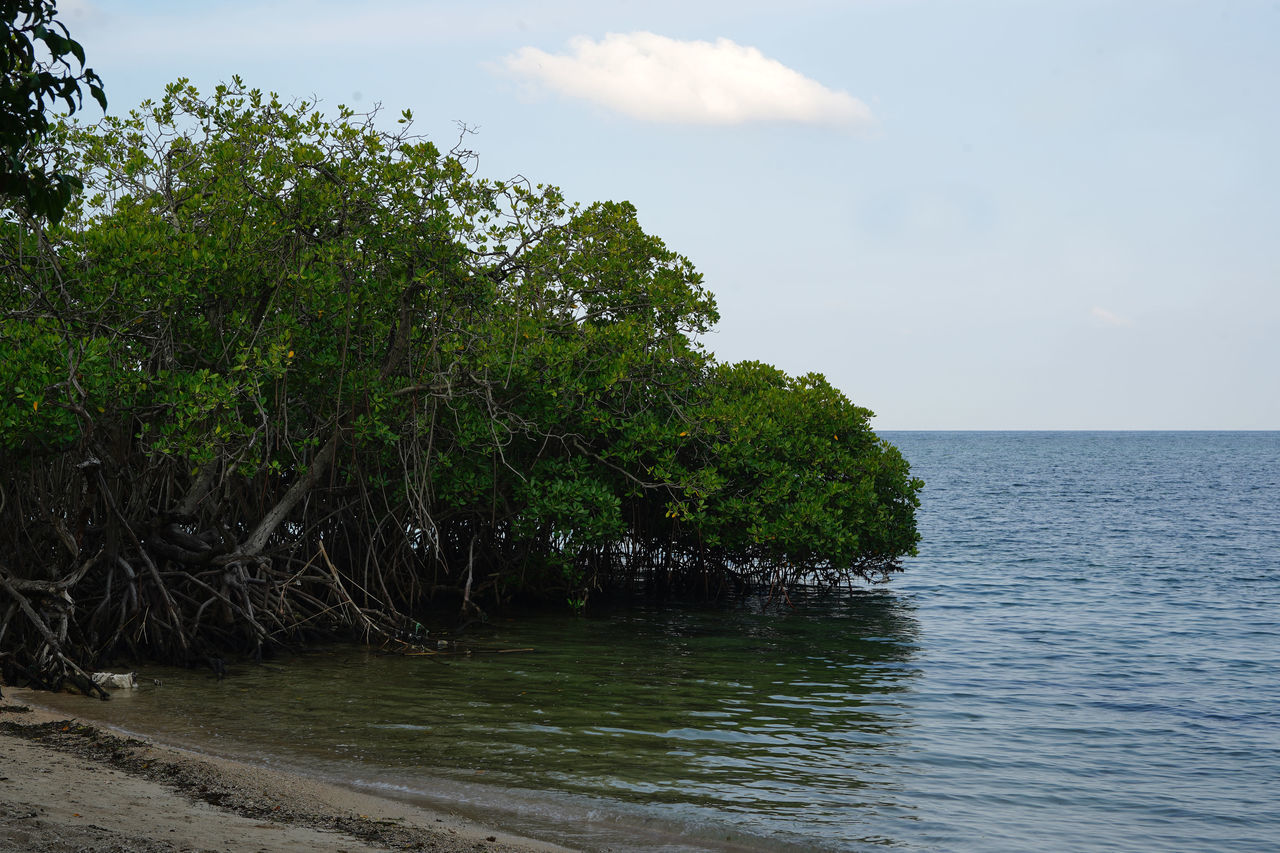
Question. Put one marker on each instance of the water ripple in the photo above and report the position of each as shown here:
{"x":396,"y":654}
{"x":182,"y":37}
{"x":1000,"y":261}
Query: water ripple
{"x":1085,"y":656}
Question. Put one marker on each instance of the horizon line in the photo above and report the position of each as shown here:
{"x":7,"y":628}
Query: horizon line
{"x":1076,"y":429}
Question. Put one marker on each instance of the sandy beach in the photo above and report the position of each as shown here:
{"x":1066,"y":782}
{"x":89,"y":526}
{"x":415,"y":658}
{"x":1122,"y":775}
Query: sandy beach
{"x":68,"y":786}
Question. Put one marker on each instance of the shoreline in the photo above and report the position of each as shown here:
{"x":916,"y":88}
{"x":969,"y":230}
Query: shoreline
{"x":70,"y":785}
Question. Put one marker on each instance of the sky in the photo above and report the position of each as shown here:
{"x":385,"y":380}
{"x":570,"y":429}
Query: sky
{"x":989,"y":214}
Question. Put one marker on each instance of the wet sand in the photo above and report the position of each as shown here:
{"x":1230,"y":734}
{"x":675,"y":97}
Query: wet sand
{"x":68,"y":786}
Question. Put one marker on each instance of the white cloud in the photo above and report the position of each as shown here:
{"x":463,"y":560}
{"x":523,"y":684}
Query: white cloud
{"x":1107,"y":318}
{"x":656,"y":78}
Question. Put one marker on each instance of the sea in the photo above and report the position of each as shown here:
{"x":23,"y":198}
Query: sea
{"x":1084,"y":656}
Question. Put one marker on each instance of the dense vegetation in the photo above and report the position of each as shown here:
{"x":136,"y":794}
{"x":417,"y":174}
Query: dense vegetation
{"x":275,"y":375}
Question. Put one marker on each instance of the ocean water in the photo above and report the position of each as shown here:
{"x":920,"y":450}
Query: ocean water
{"x":1100,"y":641}
{"x":1084,"y":656}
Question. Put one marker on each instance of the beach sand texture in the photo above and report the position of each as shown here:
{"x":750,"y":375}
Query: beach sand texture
{"x":68,"y":786}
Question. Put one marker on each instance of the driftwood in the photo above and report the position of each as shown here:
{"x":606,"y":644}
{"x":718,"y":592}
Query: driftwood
{"x":117,"y":680}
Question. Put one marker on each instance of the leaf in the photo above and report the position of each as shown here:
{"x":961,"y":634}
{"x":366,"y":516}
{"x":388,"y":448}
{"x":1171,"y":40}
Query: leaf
{"x":76,"y":50}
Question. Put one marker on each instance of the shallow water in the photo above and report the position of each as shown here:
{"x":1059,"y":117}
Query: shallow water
{"x":1085,"y":656}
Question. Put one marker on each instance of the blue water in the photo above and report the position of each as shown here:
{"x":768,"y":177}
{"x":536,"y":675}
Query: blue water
{"x":1084,"y":656}
{"x":1099,"y":642}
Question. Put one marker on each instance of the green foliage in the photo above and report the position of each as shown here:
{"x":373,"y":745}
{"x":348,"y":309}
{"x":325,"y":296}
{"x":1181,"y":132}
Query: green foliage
{"x":30,"y":86}
{"x":317,"y":342}
{"x":801,"y":482}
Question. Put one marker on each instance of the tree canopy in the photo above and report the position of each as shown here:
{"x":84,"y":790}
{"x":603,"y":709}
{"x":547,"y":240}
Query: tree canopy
{"x":278,"y":375}
{"x":36,"y":75}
